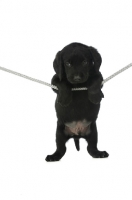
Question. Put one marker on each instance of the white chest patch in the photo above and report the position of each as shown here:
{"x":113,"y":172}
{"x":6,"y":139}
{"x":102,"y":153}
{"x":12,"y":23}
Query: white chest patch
{"x":77,"y":127}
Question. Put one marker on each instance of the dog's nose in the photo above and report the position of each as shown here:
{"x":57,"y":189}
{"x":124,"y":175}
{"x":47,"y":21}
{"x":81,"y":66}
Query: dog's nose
{"x":77,"y":78}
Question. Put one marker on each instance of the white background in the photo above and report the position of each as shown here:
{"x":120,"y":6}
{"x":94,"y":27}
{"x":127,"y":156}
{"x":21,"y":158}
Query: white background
{"x":31,"y":33}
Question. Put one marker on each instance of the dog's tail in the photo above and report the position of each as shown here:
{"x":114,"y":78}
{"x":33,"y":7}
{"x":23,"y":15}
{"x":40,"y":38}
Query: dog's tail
{"x":76,"y":140}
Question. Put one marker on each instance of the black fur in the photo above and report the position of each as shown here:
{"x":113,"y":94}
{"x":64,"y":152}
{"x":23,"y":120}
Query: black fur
{"x":77,"y":65}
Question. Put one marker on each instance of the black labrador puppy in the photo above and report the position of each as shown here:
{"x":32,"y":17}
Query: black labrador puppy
{"x":77,"y":66}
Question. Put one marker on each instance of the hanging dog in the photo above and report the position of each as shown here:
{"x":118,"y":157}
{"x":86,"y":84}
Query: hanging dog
{"x":77,"y":65}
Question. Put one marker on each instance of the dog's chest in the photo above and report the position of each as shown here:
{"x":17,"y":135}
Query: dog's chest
{"x":78,"y":127}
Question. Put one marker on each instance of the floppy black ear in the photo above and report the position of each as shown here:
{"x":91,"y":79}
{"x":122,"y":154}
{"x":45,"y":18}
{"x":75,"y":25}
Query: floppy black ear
{"x":96,"y":58}
{"x":58,"y":65}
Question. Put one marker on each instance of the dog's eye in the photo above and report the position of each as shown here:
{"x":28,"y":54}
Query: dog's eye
{"x":68,"y":64}
{"x":84,"y":62}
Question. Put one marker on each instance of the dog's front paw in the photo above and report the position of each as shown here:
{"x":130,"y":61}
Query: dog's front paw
{"x":95,"y":97}
{"x":64,"y":102}
{"x":64,"y":99}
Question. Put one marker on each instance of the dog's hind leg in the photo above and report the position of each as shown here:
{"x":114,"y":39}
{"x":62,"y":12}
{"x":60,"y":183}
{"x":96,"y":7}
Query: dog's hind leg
{"x":61,"y":139}
{"x":92,"y":143}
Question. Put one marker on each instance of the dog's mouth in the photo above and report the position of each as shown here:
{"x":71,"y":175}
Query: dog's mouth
{"x":77,"y":81}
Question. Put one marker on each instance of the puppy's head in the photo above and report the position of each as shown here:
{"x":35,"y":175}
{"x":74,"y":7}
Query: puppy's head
{"x":76,"y":62}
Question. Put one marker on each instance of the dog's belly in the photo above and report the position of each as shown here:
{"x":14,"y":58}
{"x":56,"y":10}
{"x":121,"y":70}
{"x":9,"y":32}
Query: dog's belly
{"x":77,"y":128}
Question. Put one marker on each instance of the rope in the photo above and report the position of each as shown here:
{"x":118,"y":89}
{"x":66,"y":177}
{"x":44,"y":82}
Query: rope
{"x":53,"y":86}
{"x":116,"y":73}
